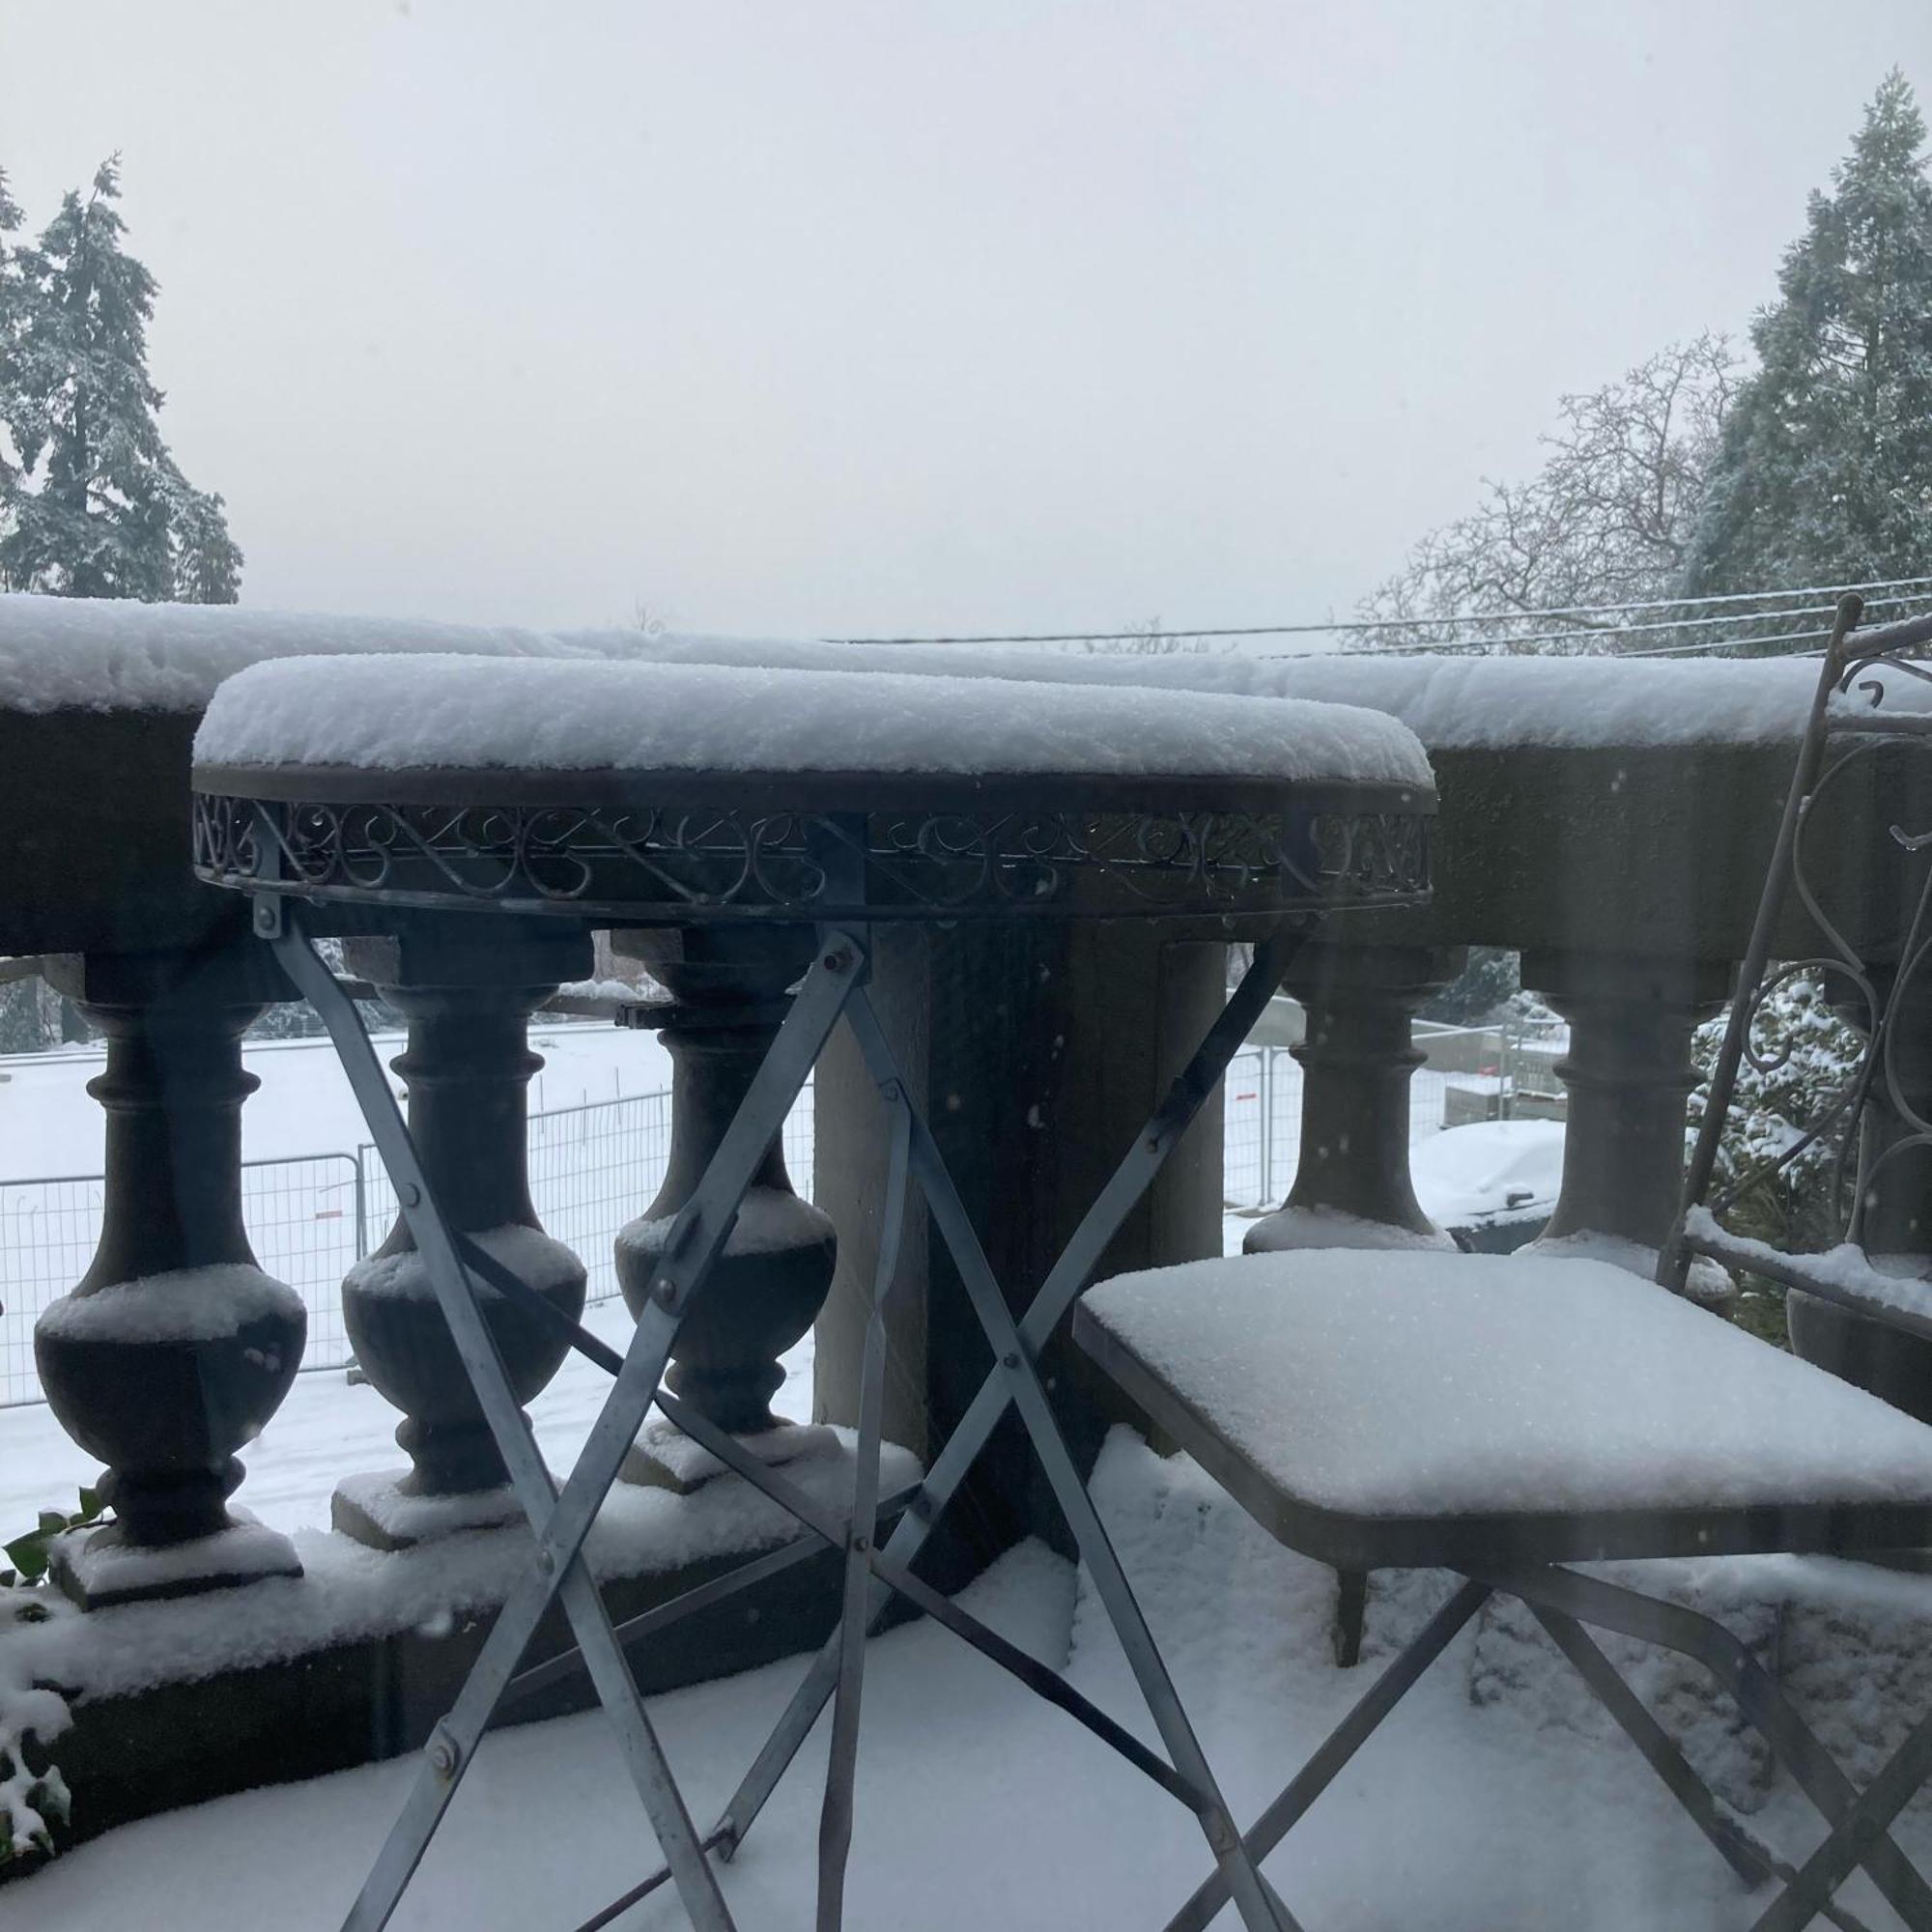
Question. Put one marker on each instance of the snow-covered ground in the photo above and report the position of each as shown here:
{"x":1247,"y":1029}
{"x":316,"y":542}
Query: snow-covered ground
{"x":50,"y":1125}
{"x":1484,"y":1804}
{"x":1489,"y":1171}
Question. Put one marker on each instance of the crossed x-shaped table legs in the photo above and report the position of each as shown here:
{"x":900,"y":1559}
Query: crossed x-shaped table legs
{"x":560,"y":1520}
{"x":1564,"y":1601}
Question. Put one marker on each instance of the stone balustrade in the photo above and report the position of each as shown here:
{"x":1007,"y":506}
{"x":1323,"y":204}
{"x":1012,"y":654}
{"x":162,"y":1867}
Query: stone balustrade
{"x":1626,"y":874}
{"x":466,"y":1067}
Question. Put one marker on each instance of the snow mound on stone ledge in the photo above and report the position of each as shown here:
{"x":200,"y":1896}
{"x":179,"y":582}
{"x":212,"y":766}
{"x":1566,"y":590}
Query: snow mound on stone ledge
{"x":76,"y":653}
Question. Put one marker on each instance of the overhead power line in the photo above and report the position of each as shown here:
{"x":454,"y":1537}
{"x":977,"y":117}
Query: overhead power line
{"x":1922,"y":586}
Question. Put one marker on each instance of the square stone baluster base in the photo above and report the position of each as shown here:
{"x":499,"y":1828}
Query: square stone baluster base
{"x":383,"y":1511}
{"x":98,"y":1567}
{"x":665,"y":1457}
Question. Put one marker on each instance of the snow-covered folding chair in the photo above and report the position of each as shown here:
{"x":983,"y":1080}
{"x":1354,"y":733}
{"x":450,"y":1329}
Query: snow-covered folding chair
{"x":1506,"y":1417}
{"x":1503,"y":1417}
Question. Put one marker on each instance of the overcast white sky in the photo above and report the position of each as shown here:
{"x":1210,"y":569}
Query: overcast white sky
{"x":824,"y":319}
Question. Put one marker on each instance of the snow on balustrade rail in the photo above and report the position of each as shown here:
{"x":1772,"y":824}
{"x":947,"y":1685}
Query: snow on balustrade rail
{"x":67,"y":653}
{"x":348,"y":1592}
{"x":60,"y":653}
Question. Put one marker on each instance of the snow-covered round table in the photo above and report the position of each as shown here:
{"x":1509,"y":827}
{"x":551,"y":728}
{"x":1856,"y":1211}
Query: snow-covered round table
{"x":706,"y":796}
{"x":630,"y":794}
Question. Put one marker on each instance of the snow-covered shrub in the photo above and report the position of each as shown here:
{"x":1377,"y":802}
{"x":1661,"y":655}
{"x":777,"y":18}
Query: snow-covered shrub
{"x":1802,"y":1057}
{"x":33,"y":1793}
{"x":1483,"y":988}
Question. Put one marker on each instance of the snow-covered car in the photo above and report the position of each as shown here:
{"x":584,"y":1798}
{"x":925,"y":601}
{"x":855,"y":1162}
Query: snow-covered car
{"x":1492,"y":1183}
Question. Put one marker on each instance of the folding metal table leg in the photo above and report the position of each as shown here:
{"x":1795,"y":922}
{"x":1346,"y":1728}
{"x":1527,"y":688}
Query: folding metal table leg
{"x":949,"y":1213}
{"x":835,"y":1824}
{"x":923,"y":1597}
{"x":456,"y":1739}
{"x":1068,"y":1275}
{"x":561,"y":1523}
{"x":687,"y":1604}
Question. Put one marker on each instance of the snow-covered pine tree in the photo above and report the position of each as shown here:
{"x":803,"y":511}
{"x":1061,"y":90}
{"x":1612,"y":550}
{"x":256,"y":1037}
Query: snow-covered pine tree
{"x":1824,"y":470}
{"x":10,"y":319}
{"x":208,"y":561}
{"x":94,"y":505}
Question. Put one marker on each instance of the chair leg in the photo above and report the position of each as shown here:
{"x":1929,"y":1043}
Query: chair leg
{"x":1352,"y":1610}
{"x":1765,"y":1707}
{"x":1850,"y":1843}
{"x":1660,"y":1751}
{"x":1746,"y":1855}
{"x":1336,"y":1749}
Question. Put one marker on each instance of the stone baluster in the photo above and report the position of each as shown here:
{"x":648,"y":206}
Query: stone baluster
{"x":175,"y":1349}
{"x":728,"y":989}
{"x":1897,"y":1223}
{"x":1352,"y":1184}
{"x":1626,"y":1075}
{"x":467,"y":991}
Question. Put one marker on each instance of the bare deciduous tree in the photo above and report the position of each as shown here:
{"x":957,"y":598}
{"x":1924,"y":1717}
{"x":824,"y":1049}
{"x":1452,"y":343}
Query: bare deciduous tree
{"x":1606,"y":521}
{"x":1147,"y":638}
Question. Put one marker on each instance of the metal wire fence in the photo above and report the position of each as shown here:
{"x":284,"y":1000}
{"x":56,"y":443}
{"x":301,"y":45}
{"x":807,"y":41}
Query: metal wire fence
{"x":48,"y":1232}
{"x":592,"y":1168}
{"x":311,"y":1217}
{"x":307,"y":1225}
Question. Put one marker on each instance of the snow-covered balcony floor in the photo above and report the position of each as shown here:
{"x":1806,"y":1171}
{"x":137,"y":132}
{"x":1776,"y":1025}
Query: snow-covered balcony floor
{"x":1491,"y":1800}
